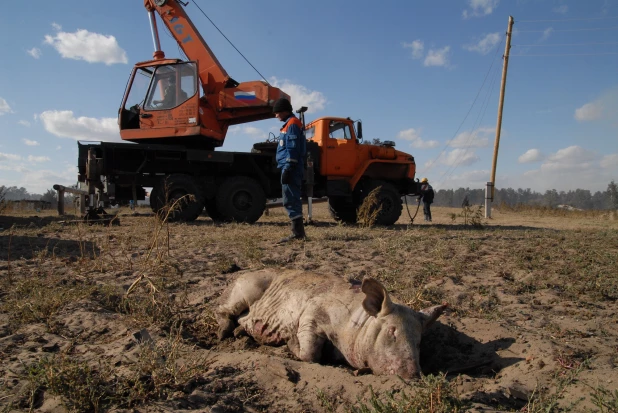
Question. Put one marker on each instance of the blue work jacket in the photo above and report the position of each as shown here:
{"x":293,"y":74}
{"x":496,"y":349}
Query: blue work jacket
{"x":292,"y":146}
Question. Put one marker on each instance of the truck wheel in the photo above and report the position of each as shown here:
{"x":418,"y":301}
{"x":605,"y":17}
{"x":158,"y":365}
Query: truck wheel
{"x":212,"y":211}
{"x":389,"y":199}
{"x":241,"y":199}
{"x":156,"y":202}
{"x":173,"y":188}
{"x":342,"y":210}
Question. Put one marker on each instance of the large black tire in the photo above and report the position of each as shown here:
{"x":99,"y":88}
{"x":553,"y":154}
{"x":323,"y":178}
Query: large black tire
{"x":389,"y":200}
{"x":342,"y":209}
{"x":174,"y":187}
{"x":212,"y":211}
{"x":156,"y":203}
{"x":241,"y":199}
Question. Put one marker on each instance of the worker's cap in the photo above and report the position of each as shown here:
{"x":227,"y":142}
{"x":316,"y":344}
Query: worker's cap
{"x":282,"y":105}
{"x":424,"y":180}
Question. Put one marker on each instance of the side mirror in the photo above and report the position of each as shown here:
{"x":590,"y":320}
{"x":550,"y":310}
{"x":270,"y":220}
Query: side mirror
{"x":359,"y":131}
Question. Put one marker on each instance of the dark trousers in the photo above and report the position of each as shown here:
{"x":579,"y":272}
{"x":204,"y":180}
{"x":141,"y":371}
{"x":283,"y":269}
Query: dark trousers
{"x":427,"y":210}
{"x":291,"y":193}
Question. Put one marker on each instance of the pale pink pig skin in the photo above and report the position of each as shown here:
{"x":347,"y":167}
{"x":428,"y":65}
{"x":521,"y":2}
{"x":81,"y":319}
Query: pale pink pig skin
{"x":306,"y":310}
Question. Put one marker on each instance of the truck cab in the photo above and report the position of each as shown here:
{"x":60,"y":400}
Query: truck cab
{"x":347,"y":169}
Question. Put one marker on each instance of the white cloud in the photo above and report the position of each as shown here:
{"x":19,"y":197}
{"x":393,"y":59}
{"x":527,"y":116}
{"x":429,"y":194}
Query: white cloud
{"x":460,"y":157}
{"x":563,"y":9}
{"x":468,"y":179}
{"x":91,"y":47}
{"x":56,"y":26}
{"x":252,"y":132}
{"x":478,"y":138}
{"x":415,"y":139}
{"x":65,"y":125}
{"x":37,"y":181}
{"x":605,"y":107}
{"x":28,"y":142}
{"x":590,"y":111}
{"x":571,"y":158}
{"x":4,"y":107}
{"x":24,"y":123}
{"x":546,"y":33}
{"x":9,"y":157}
{"x":574,"y":167}
{"x":58,"y":147}
{"x":480,"y":8}
{"x":417,"y":47}
{"x":531,"y":155}
{"x":456,"y":157}
{"x":437,"y":57}
{"x":609,"y":161}
{"x":300,"y":95}
{"x":34,"y":52}
{"x":485,"y":44}
{"x":36,"y":159}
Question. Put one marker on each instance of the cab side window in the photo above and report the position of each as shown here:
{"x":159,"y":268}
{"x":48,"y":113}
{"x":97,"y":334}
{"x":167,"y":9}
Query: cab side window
{"x":339,"y":130}
{"x":310,"y":133}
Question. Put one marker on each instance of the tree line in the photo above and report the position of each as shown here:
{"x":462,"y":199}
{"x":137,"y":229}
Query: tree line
{"x":578,"y":198}
{"x":13,"y":193}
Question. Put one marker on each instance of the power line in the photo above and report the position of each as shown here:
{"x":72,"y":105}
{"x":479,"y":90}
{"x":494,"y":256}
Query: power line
{"x":493,"y":60}
{"x":563,"y":44}
{"x":568,"y":30}
{"x":566,"y":20}
{"x":230,"y":42}
{"x":475,"y":128}
{"x":565,"y":54}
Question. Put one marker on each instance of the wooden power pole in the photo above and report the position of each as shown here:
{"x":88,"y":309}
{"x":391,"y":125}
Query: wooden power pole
{"x":489,"y":191}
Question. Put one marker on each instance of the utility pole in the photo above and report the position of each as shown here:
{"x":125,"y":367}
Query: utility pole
{"x":489,"y":189}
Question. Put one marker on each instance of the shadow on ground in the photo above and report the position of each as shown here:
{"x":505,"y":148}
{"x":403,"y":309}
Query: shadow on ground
{"x":19,"y":246}
{"x":446,"y":350}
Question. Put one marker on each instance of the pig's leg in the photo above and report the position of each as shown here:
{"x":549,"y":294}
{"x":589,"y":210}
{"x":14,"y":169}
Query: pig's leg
{"x":310,"y":342}
{"x":245,"y":291}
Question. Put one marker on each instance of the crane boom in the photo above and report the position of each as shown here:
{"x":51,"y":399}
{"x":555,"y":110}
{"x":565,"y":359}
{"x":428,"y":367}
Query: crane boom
{"x":191,"y":42}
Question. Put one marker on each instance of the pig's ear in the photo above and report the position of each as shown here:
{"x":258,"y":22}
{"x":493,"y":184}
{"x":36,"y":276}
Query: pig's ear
{"x":431,"y":314}
{"x":376,"y":302}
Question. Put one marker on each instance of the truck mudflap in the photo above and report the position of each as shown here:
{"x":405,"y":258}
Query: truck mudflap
{"x":338,"y":188}
{"x":412,"y":187}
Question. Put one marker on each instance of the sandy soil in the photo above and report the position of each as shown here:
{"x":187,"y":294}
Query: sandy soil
{"x":533,"y":317}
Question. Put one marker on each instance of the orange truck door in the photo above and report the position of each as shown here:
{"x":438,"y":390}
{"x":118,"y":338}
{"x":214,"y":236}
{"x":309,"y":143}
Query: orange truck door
{"x":340,"y":150}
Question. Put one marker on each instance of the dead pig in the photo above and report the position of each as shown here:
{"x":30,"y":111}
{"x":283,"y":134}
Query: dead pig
{"x":311,"y":311}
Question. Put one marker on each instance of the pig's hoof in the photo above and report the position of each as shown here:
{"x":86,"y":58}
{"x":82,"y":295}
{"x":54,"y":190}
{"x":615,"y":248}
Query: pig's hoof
{"x":240,"y":332}
{"x":362,"y":371}
{"x":225,"y":329}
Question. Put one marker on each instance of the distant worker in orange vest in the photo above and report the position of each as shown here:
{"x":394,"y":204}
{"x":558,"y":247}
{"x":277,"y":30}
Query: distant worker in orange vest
{"x":291,"y":153}
{"x":426,"y":196}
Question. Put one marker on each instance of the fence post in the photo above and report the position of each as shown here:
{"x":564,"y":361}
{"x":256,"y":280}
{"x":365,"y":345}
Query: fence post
{"x":60,"y":201}
{"x":488,"y":198}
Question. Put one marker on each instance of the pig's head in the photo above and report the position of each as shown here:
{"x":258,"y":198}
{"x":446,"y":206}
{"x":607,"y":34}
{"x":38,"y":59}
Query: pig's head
{"x":392,"y":335}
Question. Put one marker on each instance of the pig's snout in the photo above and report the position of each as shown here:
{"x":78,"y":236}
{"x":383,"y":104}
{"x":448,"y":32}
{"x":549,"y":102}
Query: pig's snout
{"x":407,"y":369}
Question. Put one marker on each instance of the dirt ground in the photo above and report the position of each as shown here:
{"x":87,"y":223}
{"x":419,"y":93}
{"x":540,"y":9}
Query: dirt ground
{"x":532,"y":323}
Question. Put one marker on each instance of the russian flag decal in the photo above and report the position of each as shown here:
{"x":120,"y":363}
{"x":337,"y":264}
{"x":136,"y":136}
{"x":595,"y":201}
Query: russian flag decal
{"x":244,"y":95}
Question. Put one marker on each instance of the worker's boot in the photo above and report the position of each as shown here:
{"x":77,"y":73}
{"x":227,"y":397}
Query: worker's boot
{"x":298,"y":231}
{"x":298,"y":228}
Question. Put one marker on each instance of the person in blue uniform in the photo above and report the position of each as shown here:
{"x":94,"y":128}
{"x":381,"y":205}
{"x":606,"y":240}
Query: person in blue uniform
{"x":291,"y":152}
{"x":426,"y":196}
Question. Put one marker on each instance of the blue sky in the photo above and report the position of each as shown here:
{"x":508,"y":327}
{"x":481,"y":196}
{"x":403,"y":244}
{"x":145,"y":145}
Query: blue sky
{"x":411,"y":70}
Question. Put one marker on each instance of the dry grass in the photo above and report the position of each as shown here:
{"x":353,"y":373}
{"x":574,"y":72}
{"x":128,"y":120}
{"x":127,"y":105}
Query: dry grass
{"x":148,"y":273}
{"x":369,"y":210}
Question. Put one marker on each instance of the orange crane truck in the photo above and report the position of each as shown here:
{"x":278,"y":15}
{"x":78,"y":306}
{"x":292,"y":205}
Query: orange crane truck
{"x":177,"y":112}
